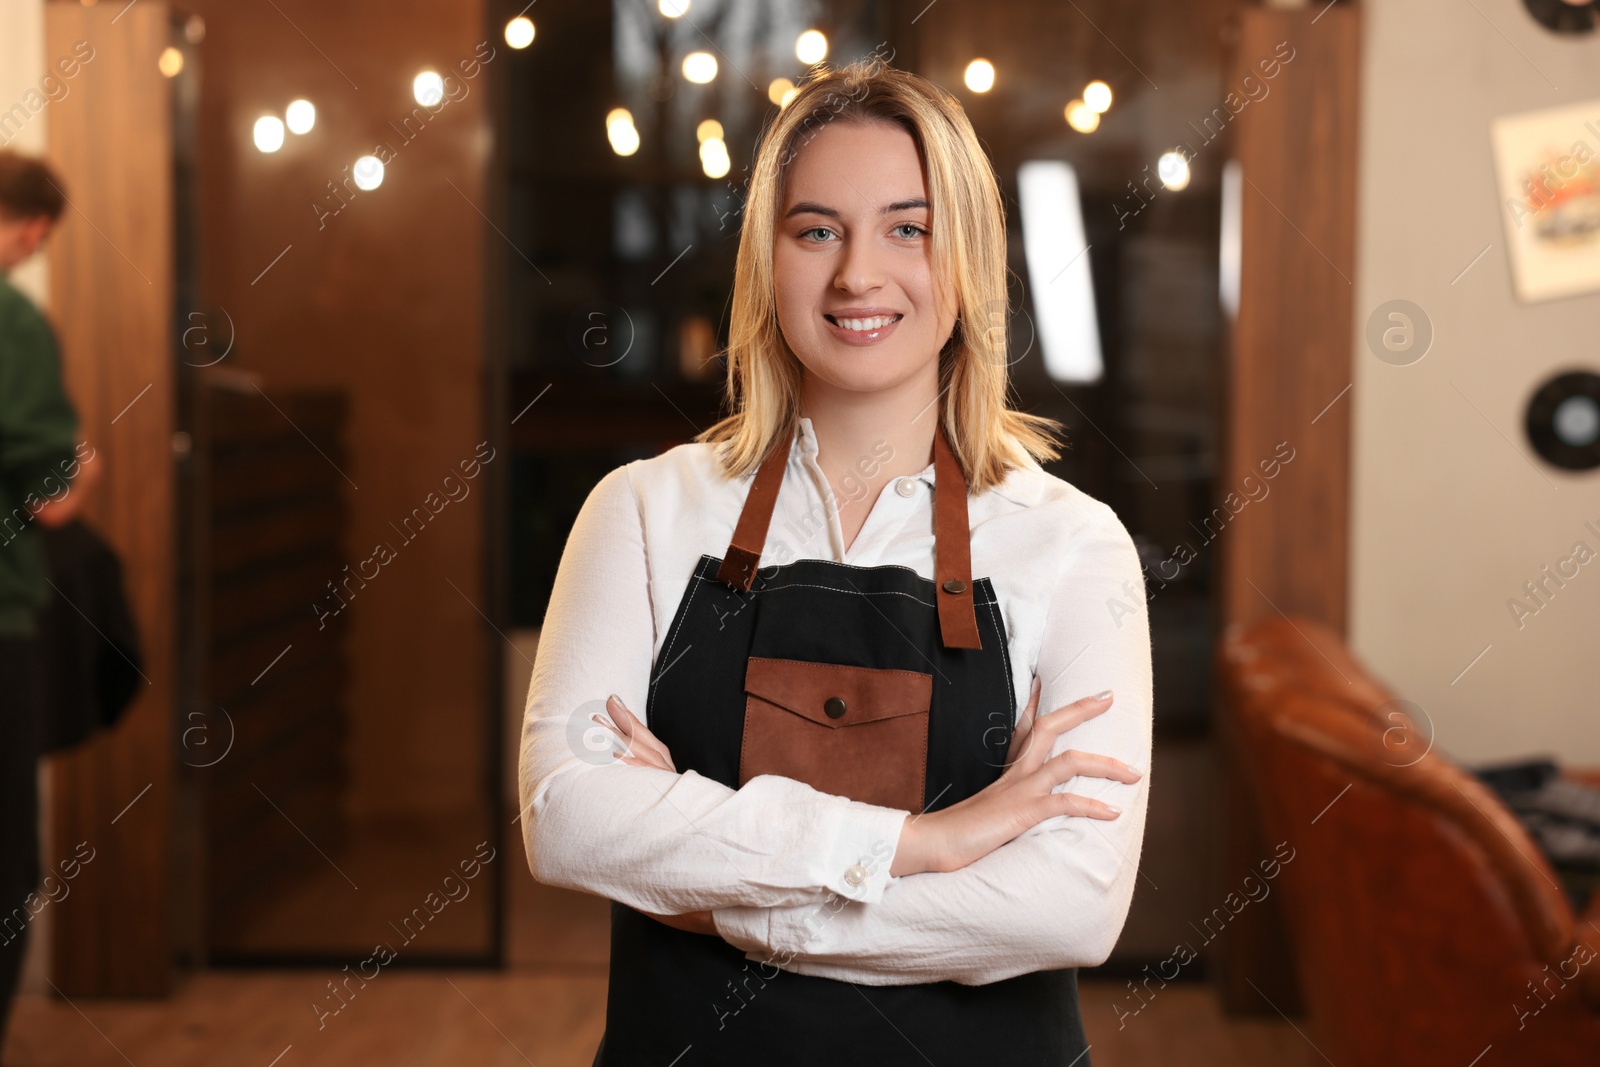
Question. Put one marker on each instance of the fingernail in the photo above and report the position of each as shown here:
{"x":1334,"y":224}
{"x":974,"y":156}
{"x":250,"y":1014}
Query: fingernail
{"x":1103,"y":696}
{"x":613,"y":697}
{"x":1114,"y":809}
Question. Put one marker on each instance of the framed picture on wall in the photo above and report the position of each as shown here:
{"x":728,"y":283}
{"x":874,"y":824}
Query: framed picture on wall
{"x":1548,"y":164}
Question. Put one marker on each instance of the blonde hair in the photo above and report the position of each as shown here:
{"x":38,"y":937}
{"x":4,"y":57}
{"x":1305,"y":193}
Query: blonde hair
{"x":969,"y":249}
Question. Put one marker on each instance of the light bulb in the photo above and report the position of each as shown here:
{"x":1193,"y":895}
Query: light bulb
{"x":811,"y":47}
{"x":269,"y":133}
{"x":428,"y":88}
{"x":519,"y":32}
{"x":980,"y":75}
{"x":301,"y":116}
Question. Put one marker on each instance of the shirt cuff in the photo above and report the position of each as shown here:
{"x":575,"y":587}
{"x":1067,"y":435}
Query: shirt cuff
{"x":865,"y":838}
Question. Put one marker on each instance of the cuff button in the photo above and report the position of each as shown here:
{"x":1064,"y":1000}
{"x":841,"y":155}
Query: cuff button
{"x":855,"y":874}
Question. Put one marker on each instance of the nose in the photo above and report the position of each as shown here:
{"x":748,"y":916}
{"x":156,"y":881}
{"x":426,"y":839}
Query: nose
{"x":860,"y":268}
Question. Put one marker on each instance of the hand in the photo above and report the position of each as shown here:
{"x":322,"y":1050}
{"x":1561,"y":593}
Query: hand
{"x":63,"y":509}
{"x":640,"y":747}
{"x":1019,"y":799}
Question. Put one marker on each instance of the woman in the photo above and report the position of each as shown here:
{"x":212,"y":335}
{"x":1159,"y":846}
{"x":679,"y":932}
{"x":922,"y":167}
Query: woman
{"x":836,"y":834}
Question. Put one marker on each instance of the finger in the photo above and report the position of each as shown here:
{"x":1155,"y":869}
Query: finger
{"x":636,"y":731}
{"x":642,"y":761}
{"x":1088,"y":807}
{"x":1078,"y":712}
{"x":1049,"y":727}
{"x":639,"y":734}
{"x":1072,"y":764}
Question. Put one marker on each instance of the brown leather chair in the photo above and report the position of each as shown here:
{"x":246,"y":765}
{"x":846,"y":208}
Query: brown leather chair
{"x":1427,"y":927}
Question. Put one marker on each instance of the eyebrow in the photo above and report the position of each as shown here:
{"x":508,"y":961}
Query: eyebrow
{"x":811,"y":207}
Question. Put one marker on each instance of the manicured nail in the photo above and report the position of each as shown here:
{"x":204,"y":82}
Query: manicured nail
{"x":1114,"y":809}
{"x":1103,"y":696}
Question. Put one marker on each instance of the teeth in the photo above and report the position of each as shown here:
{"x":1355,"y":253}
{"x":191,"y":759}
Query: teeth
{"x":867,"y":324}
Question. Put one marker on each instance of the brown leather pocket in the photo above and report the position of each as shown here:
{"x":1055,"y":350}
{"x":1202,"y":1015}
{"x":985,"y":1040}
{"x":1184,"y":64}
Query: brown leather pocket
{"x":857,"y":732}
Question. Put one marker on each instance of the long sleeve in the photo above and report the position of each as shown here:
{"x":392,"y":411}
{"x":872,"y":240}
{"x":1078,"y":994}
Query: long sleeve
{"x":651,"y":839}
{"x":38,"y":426}
{"x":1058,"y":895}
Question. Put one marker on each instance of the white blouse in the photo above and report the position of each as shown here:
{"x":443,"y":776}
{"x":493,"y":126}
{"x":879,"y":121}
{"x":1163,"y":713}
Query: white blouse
{"x":777,"y":862}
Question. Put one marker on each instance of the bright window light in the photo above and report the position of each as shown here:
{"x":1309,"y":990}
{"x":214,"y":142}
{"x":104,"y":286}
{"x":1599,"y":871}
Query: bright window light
{"x":1057,"y":255}
{"x":1230,"y":260}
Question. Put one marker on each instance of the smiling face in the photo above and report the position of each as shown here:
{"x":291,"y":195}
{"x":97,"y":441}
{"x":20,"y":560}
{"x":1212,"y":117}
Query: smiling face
{"x":852,"y":261}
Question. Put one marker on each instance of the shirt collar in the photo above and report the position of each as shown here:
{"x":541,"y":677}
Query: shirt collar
{"x":1016,"y":487}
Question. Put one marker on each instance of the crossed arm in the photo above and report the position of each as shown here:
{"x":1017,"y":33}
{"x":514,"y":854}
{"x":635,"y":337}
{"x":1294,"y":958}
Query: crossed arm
{"x":768,"y":860}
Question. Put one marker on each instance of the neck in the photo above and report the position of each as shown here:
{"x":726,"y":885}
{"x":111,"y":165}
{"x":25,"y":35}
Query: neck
{"x":855,"y":431}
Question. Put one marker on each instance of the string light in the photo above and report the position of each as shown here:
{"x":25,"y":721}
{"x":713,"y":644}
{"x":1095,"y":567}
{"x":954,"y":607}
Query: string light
{"x":980,"y":75}
{"x":777,"y":89}
{"x":1097,"y":97}
{"x":1082,"y":117}
{"x":708,"y":129}
{"x":714,"y":159}
{"x":519,"y":32}
{"x":269,"y":133}
{"x":368,"y":173}
{"x":621,"y":132}
{"x":428,"y":88}
{"x":171,"y":62}
{"x":1173,"y":169}
{"x":700,"y":67}
{"x":300,"y":116}
{"x":674,"y":8}
{"x":811,"y":47}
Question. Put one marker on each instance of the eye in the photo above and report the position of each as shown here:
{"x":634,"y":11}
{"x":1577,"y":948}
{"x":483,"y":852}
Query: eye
{"x":916,"y":231}
{"x":804,"y":234}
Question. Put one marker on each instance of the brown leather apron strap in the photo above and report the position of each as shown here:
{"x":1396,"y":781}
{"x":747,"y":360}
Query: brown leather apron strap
{"x":952,"y":536}
{"x":952,"y":552}
{"x":739,"y":563}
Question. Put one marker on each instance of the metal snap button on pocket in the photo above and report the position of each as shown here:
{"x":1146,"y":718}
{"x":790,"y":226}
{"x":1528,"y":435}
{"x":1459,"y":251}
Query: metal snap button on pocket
{"x":834,"y":706}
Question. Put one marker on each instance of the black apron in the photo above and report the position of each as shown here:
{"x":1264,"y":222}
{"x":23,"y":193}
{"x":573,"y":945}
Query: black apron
{"x":693,"y":1000}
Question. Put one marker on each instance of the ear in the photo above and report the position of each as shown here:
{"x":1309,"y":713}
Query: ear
{"x":35,"y":231}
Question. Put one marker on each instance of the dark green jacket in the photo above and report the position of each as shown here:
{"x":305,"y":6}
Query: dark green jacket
{"x":38,"y":429}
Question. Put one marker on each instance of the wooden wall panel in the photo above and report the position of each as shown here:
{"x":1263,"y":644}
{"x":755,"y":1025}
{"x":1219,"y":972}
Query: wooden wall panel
{"x":1287,"y":383}
{"x":1291,"y":343}
{"x":111,"y":299}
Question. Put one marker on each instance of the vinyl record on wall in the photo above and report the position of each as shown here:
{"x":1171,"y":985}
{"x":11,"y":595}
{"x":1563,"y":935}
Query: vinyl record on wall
{"x":1565,"y":16}
{"x":1563,"y":420}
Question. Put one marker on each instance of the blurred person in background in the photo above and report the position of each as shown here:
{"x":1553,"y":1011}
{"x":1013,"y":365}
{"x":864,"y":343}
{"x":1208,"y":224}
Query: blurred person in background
{"x":44,"y":477}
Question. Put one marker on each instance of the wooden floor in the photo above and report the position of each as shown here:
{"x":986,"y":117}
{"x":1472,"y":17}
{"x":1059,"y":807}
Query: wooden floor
{"x":546,"y":1009}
